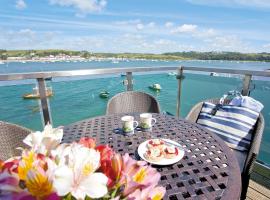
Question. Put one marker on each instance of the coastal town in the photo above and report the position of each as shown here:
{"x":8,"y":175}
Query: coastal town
{"x":86,"y":56}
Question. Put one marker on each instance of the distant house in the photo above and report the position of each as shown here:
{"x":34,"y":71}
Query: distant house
{"x":16,"y":58}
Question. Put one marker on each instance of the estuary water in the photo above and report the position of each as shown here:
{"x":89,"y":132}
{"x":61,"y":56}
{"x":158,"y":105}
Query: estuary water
{"x":78,"y":98}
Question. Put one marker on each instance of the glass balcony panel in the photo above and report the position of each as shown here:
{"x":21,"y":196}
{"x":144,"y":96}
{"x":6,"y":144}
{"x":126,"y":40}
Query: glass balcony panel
{"x":200,"y":87}
{"x":261,"y":92}
{"x":166,"y":96}
{"x":76,"y":100}
{"x":15,"y":109}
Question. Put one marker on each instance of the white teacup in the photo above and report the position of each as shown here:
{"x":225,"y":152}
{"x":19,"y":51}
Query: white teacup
{"x":128,"y":124}
{"x":147,"y":121}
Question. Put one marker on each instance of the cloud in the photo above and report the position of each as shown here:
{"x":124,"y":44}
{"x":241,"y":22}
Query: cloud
{"x":132,"y":35}
{"x":228,"y":43}
{"x":151,"y":24}
{"x":205,"y":33}
{"x":267,"y":46}
{"x":83,"y":6}
{"x":20,"y":4}
{"x":26,"y":38}
{"x":127,"y":42}
{"x":186,"y":28}
{"x":169,"y":24}
{"x":139,"y":26}
{"x":137,"y":23}
{"x":128,"y":22}
{"x":164,"y":42}
{"x":233,"y":3}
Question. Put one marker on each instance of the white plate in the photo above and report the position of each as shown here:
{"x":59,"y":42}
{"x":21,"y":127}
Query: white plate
{"x":143,"y":148}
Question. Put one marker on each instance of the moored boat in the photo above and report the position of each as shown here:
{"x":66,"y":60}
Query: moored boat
{"x":104,"y":94}
{"x":172,"y":74}
{"x":35,"y":94}
{"x":155,"y":87}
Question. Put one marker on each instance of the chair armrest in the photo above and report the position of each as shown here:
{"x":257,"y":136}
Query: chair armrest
{"x":255,"y":145}
{"x":194,"y":113}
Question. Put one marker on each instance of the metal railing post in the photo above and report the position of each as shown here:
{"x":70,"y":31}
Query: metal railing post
{"x":129,"y":81}
{"x":246,"y":84}
{"x":179,"y":77}
{"x":43,"y":101}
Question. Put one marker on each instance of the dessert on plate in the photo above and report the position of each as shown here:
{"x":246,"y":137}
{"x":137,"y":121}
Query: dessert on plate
{"x":170,"y":152}
{"x":154,"y":154}
{"x":155,"y":143}
{"x":157,"y":149}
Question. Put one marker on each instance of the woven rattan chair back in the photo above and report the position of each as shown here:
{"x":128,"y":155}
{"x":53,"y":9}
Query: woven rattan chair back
{"x":132,"y":101}
{"x":11,"y":137}
{"x":254,"y":146}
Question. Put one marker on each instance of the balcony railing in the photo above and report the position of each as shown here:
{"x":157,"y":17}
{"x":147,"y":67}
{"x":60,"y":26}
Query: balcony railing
{"x":42,"y":76}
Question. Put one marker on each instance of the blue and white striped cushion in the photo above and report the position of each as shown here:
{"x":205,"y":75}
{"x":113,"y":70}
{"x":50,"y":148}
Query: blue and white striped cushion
{"x":232,"y":123}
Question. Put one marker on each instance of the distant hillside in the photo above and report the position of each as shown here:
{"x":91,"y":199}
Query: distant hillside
{"x":222,"y":56}
{"x":28,"y":54}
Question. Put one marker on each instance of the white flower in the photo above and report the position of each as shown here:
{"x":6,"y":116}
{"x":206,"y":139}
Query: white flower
{"x":75,"y":172}
{"x":44,"y":142}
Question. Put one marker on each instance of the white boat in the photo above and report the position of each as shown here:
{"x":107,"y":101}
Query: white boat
{"x":155,"y":87}
{"x":172,"y":74}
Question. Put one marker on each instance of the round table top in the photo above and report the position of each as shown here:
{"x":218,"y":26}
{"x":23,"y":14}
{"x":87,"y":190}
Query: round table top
{"x":209,"y":170}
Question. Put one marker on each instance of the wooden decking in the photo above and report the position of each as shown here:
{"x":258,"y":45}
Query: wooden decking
{"x":259,"y":185}
{"x":257,"y":191}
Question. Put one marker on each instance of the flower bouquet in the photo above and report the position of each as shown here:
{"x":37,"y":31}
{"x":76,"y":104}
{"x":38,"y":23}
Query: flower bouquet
{"x":80,"y":170}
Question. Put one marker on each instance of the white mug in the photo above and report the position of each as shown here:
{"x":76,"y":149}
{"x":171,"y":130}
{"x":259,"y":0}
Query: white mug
{"x":146,"y":120}
{"x":128,"y":123}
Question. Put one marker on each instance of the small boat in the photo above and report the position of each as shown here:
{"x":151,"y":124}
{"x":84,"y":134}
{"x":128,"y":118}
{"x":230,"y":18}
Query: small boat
{"x":214,"y":74}
{"x":123,"y":75}
{"x":172,"y":74}
{"x":48,"y":79}
{"x":104,"y":94}
{"x":155,"y":87}
{"x":35,"y":94}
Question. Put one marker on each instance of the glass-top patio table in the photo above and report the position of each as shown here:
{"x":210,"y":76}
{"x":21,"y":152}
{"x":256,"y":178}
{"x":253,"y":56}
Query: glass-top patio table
{"x":209,"y":170}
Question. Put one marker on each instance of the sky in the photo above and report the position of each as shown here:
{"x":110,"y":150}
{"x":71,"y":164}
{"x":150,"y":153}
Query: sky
{"x":138,"y":26}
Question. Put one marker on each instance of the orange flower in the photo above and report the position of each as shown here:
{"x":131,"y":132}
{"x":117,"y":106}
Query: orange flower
{"x":117,"y":166}
{"x":111,"y":164}
{"x":1,"y":164}
{"x":88,"y":142}
{"x":25,"y":164}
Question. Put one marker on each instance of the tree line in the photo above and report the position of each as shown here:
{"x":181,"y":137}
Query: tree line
{"x":28,"y":54}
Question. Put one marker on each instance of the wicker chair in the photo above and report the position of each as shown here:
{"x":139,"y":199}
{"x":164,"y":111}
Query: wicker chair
{"x":131,"y":101}
{"x":246,"y":160}
{"x":11,"y":137}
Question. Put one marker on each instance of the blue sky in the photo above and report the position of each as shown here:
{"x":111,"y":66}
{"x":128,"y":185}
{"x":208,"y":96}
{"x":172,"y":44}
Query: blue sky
{"x":144,"y":26}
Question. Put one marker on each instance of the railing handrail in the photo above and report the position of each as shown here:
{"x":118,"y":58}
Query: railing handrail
{"x":48,"y":74}
{"x":35,"y":75}
{"x":265,"y":73}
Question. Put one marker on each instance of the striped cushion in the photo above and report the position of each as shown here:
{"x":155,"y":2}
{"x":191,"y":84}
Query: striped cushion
{"x":232,"y":123}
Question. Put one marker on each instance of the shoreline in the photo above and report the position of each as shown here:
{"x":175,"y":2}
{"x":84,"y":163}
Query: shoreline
{"x":117,"y":60}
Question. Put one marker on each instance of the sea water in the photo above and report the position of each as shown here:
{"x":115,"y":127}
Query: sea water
{"x":78,"y":98}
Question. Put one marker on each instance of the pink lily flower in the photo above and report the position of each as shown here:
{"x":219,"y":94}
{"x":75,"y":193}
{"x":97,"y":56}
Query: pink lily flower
{"x":137,"y":175}
{"x":149,"y":193}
